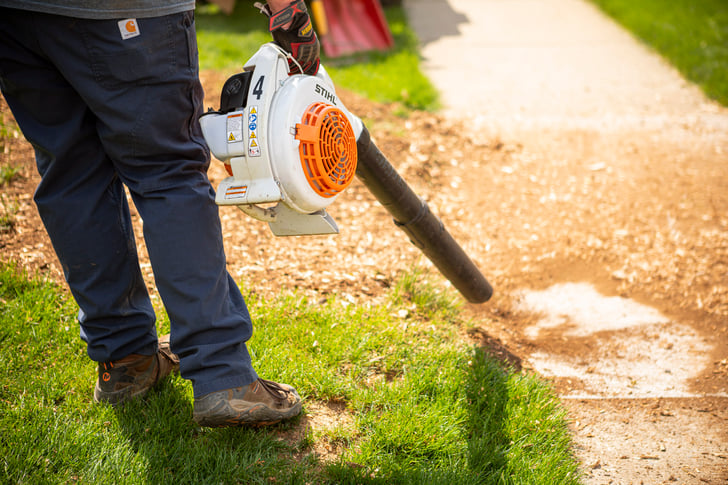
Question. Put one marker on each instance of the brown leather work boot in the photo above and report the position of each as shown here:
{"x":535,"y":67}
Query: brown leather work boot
{"x":259,"y":404}
{"x":134,"y":375}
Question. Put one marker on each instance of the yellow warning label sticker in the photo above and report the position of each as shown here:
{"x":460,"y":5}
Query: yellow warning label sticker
{"x":253,"y":147}
{"x":235,"y":128}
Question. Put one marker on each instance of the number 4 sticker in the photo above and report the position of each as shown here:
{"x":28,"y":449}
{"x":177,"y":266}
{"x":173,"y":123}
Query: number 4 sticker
{"x":258,"y":88}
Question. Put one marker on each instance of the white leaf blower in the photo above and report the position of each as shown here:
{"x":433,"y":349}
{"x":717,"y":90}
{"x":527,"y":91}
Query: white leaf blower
{"x":288,"y":142}
{"x":284,"y":139}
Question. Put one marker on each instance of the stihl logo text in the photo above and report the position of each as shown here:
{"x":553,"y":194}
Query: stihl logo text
{"x":327,"y":95}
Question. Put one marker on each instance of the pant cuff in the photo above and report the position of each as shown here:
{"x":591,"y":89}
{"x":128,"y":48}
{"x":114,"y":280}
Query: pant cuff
{"x":202,"y":388}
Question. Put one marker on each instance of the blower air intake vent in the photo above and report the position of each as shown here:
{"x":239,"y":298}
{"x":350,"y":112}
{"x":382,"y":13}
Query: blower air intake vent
{"x":328,"y":149}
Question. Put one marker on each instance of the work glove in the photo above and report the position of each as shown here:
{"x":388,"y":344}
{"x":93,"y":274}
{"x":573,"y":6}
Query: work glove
{"x":299,"y":38}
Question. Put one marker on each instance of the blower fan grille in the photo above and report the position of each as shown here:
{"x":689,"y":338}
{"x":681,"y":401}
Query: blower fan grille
{"x":328,"y":149}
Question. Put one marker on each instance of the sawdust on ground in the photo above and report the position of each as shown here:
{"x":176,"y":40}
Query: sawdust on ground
{"x":636,"y":215}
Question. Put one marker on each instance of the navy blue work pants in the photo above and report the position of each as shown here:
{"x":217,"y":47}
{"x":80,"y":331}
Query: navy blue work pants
{"x":103,"y":112}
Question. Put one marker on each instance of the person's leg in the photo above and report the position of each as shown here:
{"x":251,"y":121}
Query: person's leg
{"x":80,"y":198}
{"x":146,"y":98}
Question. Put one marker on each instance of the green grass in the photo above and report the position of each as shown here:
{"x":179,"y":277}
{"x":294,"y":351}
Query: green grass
{"x":226,"y":42}
{"x":8,"y":173}
{"x":421,"y":406}
{"x":8,"y":212}
{"x":415,"y":291}
{"x":692,"y":35}
{"x":8,"y":130}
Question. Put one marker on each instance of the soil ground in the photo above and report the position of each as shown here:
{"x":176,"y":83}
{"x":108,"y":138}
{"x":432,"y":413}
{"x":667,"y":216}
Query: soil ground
{"x":602,"y":225}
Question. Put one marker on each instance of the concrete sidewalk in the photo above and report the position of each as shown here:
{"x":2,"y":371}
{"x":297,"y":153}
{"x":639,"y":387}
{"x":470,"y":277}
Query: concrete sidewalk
{"x":535,"y":63}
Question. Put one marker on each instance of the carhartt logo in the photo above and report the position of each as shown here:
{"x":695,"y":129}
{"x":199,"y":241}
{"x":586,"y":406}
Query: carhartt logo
{"x":128,"y":28}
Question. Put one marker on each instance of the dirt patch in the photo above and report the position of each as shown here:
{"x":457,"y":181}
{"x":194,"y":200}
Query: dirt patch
{"x":651,"y":440}
{"x":636,"y":220}
{"x":322,"y":424}
{"x":612,"y":247}
{"x":627,"y":349}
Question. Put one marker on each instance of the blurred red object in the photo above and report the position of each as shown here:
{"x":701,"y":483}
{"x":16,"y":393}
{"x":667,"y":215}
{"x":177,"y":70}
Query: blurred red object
{"x":350,"y":26}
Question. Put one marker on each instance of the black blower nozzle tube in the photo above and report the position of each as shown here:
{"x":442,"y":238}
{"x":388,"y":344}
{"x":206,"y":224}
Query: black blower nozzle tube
{"x":413,"y":216}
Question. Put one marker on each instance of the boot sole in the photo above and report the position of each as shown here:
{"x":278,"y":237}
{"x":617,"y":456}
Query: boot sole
{"x":118,"y":397}
{"x":256,"y":416}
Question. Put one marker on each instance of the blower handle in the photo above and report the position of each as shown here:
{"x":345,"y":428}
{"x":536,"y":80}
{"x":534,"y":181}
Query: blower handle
{"x":413,"y":216}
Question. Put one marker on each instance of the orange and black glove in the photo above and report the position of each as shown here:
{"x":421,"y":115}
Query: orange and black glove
{"x":299,"y":38}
